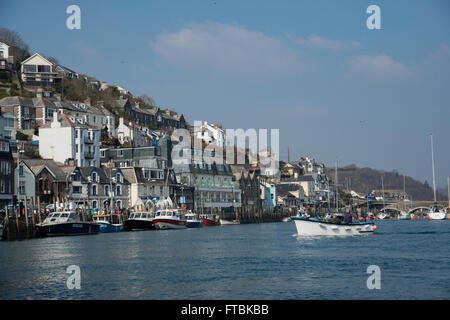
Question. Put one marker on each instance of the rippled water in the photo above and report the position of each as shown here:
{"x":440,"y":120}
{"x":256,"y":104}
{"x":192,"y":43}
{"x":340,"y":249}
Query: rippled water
{"x":255,"y":261}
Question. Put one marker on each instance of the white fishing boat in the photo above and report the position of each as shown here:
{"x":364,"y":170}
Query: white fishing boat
{"x":317,"y":227}
{"x":170,"y":219}
{"x":435,"y":213}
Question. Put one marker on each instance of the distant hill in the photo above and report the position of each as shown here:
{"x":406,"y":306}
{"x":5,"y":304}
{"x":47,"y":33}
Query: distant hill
{"x":365,"y":180}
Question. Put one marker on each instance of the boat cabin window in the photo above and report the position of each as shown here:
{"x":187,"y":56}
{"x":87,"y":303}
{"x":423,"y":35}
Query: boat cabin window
{"x":55,"y":215}
{"x":64,"y":215}
{"x":143,"y":216}
{"x":158,"y":214}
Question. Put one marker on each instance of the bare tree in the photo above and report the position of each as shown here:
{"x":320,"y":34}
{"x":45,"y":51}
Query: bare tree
{"x":19,"y":49}
{"x":147,"y":100}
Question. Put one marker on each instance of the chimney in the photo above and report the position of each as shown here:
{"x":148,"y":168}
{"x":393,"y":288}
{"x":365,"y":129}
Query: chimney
{"x":121,"y":121}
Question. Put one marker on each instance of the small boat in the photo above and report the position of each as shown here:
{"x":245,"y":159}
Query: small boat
{"x":404,"y":216}
{"x":65,"y":223}
{"x":224,"y":222}
{"x":109,"y":222}
{"x":170,"y":219}
{"x":436,"y":214}
{"x":192,"y":221}
{"x":140,"y":221}
{"x":317,"y":227}
{"x":383,"y":216}
{"x":208,"y":220}
{"x":286,"y":219}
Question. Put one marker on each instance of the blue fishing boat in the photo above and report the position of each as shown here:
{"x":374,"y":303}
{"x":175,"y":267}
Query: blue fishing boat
{"x":192,"y":221}
{"x":66,"y":223}
{"x":109,"y":222}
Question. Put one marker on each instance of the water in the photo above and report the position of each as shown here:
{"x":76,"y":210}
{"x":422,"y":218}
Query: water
{"x":255,"y":261}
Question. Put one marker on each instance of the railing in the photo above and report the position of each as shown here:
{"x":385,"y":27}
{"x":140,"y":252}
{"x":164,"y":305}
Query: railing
{"x":88,"y":140}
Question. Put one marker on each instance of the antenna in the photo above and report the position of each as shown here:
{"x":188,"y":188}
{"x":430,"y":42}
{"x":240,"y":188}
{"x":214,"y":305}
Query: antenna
{"x":432,"y":162}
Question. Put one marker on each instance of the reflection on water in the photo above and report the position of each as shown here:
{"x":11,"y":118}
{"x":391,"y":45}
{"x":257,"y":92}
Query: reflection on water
{"x":258,"y":261}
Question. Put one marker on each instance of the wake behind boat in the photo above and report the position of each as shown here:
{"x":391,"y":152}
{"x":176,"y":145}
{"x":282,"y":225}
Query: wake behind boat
{"x":65,"y":223}
{"x":318,"y":227}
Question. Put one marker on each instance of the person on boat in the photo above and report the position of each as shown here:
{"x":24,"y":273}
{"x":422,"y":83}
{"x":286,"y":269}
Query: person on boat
{"x":348,"y":216}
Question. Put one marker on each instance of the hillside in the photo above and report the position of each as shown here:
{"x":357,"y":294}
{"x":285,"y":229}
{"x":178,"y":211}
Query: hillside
{"x":364,"y":180}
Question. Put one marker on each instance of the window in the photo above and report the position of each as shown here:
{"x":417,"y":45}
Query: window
{"x":107,"y":190}
{"x":94,"y":204}
{"x":119,"y":191}
{"x":2,"y":186}
{"x":76,"y":189}
{"x":94,"y":190}
{"x":102,"y":153}
{"x":22,"y":187}
{"x":118,"y":176}
{"x":29,"y":68}
{"x":21,"y":170}
{"x":119,"y":204}
{"x":120,"y":153}
{"x":94,"y":176}
{"x":43,"y":68}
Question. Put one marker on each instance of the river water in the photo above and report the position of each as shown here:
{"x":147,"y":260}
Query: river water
{"x":254,"y":261}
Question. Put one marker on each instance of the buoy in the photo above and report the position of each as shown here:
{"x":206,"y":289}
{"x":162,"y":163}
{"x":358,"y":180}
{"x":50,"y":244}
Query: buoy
{"x":430,"y":219}
{"x":374,"y":227}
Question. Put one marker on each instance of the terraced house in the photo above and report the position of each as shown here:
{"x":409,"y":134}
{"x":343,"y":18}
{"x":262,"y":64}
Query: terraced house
{"x":98,"y":188}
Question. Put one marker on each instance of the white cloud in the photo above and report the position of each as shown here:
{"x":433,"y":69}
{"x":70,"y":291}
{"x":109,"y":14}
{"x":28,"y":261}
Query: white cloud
{"x":315,"y":41}
{"x":226,"y":47}
{"x":380,"y":65}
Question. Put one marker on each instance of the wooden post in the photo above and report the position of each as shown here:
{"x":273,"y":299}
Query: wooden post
{"x":17,"y":220}
{"x":26,"y":213}
{"x":39,"y":209}
{"x":32,"y":213}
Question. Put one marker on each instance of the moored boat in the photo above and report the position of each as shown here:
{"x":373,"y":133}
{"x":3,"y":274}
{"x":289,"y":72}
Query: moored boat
{"x":225,"y":222}
{"x":436,"y":214}
{"x":192,"y":221}
{"x":317,"y":227}
{"x":404,"y":216}
{"x":65,"y":223}
{"x":208,"y":220}
{"x":140,"y":221}
{"x":170,"y":219}
{"x":109,"y":222}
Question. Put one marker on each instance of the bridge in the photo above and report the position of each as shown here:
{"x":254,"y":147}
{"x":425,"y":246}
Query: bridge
{"x":408,"y":206}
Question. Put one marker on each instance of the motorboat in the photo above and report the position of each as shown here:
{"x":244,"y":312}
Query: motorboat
{"x":109,"y":222}
{"x":436,"y":214}
{"x":404,"y":216}
{"x":309,"y":226}
{"x":286,"y":219}
{"x":139,"y":221}
{"x":192,"y":221}
{"x":225,"y":222}
{"x":65,"y":223}
{"x":170,"y":219}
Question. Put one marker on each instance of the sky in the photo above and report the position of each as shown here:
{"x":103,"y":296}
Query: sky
{"x":334,"y":88}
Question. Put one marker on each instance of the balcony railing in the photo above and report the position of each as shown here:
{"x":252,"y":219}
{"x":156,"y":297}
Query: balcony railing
{"x":88,"y":140}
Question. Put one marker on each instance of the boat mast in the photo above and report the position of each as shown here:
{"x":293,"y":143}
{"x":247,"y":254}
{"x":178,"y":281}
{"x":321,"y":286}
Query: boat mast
{"x":432,"y":162}
{"x":382,"y":188}
{"x":448,"y":190}
{"x":336,"y":187}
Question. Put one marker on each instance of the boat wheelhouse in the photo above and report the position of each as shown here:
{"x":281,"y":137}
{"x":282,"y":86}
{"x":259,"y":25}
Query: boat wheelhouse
{"x":192,"y":221}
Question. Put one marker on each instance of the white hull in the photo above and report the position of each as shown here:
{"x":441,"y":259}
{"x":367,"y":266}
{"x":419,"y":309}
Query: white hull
{"x":286,"y":219}
{"x":168,"y":225}
{"x":224,"y":222}
{"x":317,"y":228}
{"x":440,"y":215}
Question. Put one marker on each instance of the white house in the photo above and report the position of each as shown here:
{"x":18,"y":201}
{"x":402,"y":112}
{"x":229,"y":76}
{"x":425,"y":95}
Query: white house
{"x":4,"y":50}
{"x":65,"y":138}
{"x":6,"y":60}
{"x":210,"y":133}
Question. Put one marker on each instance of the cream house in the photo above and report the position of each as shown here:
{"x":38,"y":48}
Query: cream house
{"x":38,"y":71}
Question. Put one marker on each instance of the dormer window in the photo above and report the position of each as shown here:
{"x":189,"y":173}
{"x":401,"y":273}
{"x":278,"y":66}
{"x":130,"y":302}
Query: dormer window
{"x":94,"y":176}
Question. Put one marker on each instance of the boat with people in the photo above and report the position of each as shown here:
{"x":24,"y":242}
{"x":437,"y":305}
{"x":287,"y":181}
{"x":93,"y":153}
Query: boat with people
{"x":112,"y":222}
{"x":208,"y":220}
{"x":192,"y":221}
{"x":311,"y":226}
{"x":140,"y":221}
{"x":170,"y":219}
{"x":65,"y":223}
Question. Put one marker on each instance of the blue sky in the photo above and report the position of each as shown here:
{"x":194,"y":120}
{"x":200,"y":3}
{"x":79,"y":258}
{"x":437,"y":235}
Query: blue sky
{"x":310,"y":68}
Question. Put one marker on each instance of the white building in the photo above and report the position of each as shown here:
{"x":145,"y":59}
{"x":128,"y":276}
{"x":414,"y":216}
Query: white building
{"x":4,"y":50}
{"x":63,"y":139}
{"x":210,"y":133}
